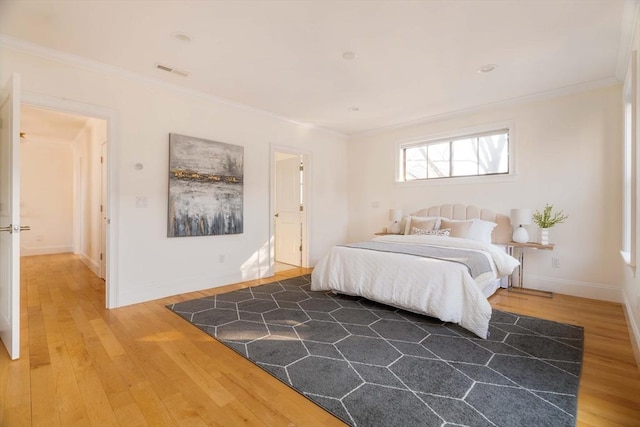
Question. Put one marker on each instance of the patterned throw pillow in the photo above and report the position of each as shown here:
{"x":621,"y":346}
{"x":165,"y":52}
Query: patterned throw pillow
{"x":442,"y":232}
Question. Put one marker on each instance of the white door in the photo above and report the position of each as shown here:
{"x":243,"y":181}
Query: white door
{"x":10,"y":216}
{"x":288,"y":225}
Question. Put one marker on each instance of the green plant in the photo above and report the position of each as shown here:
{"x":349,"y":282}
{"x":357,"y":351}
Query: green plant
{"x":548,"y":218}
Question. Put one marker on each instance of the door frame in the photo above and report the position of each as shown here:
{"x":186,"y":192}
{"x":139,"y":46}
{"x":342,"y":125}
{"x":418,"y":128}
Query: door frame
{"x":111,"y":116}
{"x":307,"y":202}
{"x":104,"y":199}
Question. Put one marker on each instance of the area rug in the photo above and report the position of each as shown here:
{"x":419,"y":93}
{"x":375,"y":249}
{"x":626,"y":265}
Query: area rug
{"x":374,"y":365}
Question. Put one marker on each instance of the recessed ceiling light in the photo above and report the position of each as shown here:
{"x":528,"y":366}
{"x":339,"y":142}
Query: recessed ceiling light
{"x":349,"y":56}
{"x":183,"y":37}
{"x":487,"y":68}
{"x":354,"y":109}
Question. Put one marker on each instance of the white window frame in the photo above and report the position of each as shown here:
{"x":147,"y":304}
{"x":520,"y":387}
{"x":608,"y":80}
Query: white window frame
{"x":630,"y":96}
{"x":457,"y":134}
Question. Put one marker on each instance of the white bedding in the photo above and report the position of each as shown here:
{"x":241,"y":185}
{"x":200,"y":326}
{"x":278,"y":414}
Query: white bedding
{"x":437,"y":288}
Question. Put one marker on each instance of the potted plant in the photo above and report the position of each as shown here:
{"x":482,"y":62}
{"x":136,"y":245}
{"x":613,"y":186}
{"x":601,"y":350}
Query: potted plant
{"x":547,"y":219}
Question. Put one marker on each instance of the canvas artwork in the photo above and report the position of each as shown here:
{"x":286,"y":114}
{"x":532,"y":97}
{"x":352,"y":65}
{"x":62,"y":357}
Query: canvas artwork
{"x":205,"y":187}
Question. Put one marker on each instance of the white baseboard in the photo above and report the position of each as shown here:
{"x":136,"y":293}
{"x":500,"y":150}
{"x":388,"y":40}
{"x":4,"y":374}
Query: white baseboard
{"x":44,"y":250}
{"x":94,"y":265}
{"x":593,"y":291}
{"x":575,"y":288}
{"x":634,"y":329}
{"x":152,"y":291}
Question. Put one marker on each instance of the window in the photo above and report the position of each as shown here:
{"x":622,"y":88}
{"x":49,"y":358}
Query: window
{"x":485,"y":153}
{"x":629,"y":212}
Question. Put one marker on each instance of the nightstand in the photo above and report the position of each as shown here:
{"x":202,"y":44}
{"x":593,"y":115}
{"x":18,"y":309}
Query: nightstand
{"x":517,"y":250}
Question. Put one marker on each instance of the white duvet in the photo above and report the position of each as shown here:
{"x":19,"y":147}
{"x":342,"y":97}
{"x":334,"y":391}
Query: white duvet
{"x":437,"y":288}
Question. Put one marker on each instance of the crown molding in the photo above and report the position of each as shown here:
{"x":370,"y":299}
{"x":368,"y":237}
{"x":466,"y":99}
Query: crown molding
{"x":78,"y":61}
{"x":627,"y":34}
{"x":510,"y":102}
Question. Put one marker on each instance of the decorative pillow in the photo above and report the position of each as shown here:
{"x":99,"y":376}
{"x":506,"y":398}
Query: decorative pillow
{"x":458,"y":228}
{"x":442,"y":232}
{"x":423,"y":222}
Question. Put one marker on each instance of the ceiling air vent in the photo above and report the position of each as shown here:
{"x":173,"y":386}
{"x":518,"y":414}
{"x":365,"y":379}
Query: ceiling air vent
{"x":172,"y":70}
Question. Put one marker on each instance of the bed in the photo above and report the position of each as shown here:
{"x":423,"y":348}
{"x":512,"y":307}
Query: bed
{"x":446,"y":263}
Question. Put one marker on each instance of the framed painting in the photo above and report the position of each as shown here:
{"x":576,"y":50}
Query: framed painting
{"x":205,"y":187}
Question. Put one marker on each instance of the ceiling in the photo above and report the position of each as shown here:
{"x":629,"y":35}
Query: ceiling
{"x":43,"y":125}
{"x":414,"y":60}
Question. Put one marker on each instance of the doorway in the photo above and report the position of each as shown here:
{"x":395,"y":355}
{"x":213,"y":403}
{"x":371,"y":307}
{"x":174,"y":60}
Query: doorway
{"x":290,"y":200}
{"x":79,"y":222}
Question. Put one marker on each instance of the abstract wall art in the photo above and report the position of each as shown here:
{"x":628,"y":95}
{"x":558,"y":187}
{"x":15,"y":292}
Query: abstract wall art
{"x":205,"y":187}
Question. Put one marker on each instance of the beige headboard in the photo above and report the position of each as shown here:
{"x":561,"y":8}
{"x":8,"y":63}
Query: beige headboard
{"x":501,"y":234}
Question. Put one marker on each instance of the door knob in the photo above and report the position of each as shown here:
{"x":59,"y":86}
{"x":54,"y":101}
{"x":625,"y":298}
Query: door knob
{"x":9,"y":228}
{"x":277,"y":215}
{"x":25,"y":228}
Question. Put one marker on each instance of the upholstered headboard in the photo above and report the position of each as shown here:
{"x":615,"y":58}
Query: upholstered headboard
{"x":501,"y":234}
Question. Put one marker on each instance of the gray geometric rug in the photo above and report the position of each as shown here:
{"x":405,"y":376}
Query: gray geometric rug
{"x":374,"y":365}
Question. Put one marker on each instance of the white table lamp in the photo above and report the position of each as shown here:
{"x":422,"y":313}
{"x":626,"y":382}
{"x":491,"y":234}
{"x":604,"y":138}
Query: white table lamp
{"x":395,"y":215}
{"x":519,"y":218}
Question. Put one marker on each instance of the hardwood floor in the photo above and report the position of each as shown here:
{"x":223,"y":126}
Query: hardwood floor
{"x":83,"y":365}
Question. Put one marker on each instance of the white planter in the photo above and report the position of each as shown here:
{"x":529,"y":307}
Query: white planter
{"x":543,"y":236}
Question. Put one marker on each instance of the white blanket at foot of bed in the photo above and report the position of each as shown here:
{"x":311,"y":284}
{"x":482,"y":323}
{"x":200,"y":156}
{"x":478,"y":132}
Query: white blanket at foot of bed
{"x":429,"y":286}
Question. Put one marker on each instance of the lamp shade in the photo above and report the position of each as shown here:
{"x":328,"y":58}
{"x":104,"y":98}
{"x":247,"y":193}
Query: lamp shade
{"x":520,"y":217}
{"x":395,"y":214}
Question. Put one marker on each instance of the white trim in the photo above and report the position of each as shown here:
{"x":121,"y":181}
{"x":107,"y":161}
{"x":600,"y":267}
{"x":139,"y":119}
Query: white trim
{"x":634,"y":328}
{"x":627,"y":33}
{"x":576,"y":288}
{"x":46,"y":250}
{"x":626,"y":257}
{"x":55,"y":55}
{"x":92,"y":264}
{"x":143,"y":292}
{"x":308,"y":201}
{"x":111,"y":116}
{"x":459,"y":180}
{"x":510,"y":102}
{"x":630,"y":96}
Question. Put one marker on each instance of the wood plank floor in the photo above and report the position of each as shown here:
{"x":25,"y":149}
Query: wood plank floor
{"x":83,"y":365}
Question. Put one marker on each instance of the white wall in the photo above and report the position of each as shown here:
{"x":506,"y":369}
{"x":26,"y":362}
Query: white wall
{"x":46,"y":175}
{"x":568,"y":154}
{"x":150,"y":265}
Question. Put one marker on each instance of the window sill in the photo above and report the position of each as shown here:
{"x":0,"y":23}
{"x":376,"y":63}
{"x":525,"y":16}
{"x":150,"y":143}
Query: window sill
{"x":464,"y":180}
{"x":626,"y":257}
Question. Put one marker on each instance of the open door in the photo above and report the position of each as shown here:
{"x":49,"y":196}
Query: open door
{"x":10,"y":216}
{"x":288,"y":204}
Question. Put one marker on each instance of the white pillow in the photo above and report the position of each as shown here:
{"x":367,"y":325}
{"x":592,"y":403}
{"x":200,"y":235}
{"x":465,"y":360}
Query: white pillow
{"x":479,"y":230}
